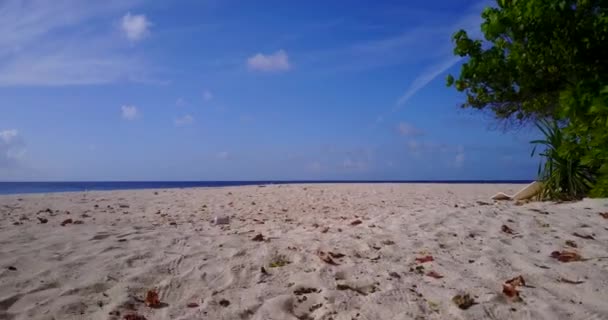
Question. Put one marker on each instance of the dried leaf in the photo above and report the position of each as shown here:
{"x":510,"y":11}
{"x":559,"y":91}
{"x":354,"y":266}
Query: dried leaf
{"x":604,"y":215}
{"x":258,"y":237}
{"x":224,"y":303}
{"x":586,"y":236}
{"x":570,"y":281}
{"x":517,"y":281}
{"x":192,"y":305}
{"x":506,"y":229}
{"x":425,"y":259}
{"x":43,"y":220}
{"x":325,"y":257}
{"x":434,"y":274}
{"x":566,"y":256}
{"x":356,"y":222}
{"x":336,"y":255}
{"x":510,"y":290}
{"x":152,"y":299}
{"x":66,"y":221}
{"x":463,"y":301}
{"x":325,"y":230}
{"x":134,"y":316}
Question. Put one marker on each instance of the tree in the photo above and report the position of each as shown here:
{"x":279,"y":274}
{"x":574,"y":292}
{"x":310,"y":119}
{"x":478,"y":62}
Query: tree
{"x":544,"y":60}
{"x":533,"y":50}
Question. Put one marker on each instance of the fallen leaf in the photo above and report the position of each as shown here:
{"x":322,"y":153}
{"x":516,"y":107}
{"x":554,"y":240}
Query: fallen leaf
{"x":564,"y":280}
{"x":506,"y":229}
{"x":224,"y":303}
{"x":571,"y":243}
{"x":425,"y":259}
{"x":510,"y":290}
{"x":336,"y":255}
{"x":589,"y":237}
{"x":134,"y":316}
{"x":66,"y":221}
{"x":325,"y":257}
{"x":43,"y":220}
{"x":604,"y":215}
{"x":258,"y":237}
{"x":192,"y":305}
{"x":463,"y":301}
{"x":325,"y":230}
{"x":356,"y":222}
{"x":566,"y":256}
{"x":517,"y":281}
{"x":152,"y":299}
{"x":434,"y":274}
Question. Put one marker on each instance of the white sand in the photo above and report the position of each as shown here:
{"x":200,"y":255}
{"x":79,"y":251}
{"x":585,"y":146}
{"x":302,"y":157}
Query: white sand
{"x":127,"y":245}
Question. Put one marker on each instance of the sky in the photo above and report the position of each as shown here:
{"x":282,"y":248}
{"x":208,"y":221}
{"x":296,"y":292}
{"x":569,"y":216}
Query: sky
{"x":243,"y":90}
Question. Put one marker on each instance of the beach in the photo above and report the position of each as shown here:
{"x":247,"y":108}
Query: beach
{"x":316,"y":251}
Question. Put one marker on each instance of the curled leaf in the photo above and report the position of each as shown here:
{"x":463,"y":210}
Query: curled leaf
{"x":152,"y":299}
{"x":517,"y":281}
{"x":434,"y":274}
{"x":356,"y":222}
{"x":425,"y":259}
{"x":463,"y":301}
{"x":326,"y":257}
{"x":604,"y":215}
{"x":584,"y":236}
{"x":506,"y":229}
{"x":258,"y":237}
{"x":566,"y":256}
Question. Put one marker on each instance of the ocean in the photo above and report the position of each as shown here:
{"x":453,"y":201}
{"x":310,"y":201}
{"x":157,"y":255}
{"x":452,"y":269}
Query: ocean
{"x":79,"y":186}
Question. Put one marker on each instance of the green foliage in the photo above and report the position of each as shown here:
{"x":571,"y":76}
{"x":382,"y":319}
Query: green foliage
{"x":544,"y":60}
{"x":564,"y":175}
{"x":533,"y":50}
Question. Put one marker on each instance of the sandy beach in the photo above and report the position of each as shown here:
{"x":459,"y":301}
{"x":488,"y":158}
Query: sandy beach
{"x":323,"y":251}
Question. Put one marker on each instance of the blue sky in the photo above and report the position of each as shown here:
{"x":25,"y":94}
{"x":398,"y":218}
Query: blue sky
{"x":241,"y":90}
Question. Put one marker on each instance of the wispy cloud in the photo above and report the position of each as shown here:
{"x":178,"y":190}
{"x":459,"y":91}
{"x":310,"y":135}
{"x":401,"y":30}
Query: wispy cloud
{"x":184,"y":121}
{"x":408,"y":130}
{"x":12,"y":148}
{"x":275,"y":62}
{"x":129,"y":112}
{"x":207,"y":95}
{"x":53,"y":43}
{"x":136,"y":27}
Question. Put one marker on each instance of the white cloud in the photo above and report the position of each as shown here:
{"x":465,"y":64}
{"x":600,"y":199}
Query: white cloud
{"x":135,"y":27}
{"x":275,"y":62}
{"x":459,"y":158}
{"x":408,"y":130}
{"x":183,"y":121}
{"x":12,"y":148}
{"x":222,"y":155}
{"x":207,"y":95}
{"x":180,"y":102}
{"x":129,"y":112}
{"x":52,"y":43}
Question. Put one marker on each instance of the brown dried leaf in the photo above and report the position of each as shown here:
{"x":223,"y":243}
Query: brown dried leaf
{"x":356,"y":222}
{"x":510,"y":290}
{"x":152,"y":299}
{"x":325,"y":257}
{"x":336,"y":255}
{"x":425,"y":259}
{"x":66,"y":222}
{"x":434,"y":274}
{"x":564,"y":280}
{"x":571,"y":243}
{"x":192,"y":305}
{"x":517,"y":281}
{"x":566,"y":256}
{"x":604,"y":215}
{"x":463,"y":301}
{"x":134,"y":316}
{"x":325,"y":230}
{"x":584,"y":236}
{"x":258,"y":237}
{"x":506,"y":229}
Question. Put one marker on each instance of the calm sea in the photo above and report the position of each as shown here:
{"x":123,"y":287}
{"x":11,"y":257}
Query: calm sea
{"x":46,"y":187}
